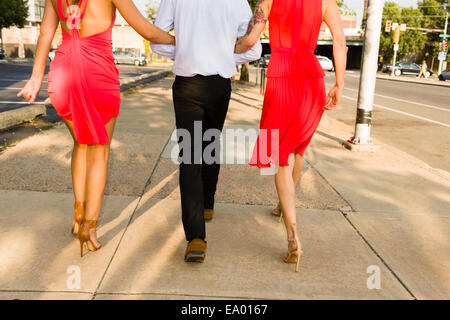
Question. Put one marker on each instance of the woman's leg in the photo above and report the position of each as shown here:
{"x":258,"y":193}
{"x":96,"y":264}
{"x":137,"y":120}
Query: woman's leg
{"x":296,"y":174}
{"x":286,"y":192}
{"x":78,"y":166}
{"x":97,"y":173}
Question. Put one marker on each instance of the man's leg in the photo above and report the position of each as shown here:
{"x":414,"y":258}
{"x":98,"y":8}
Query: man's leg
{"x":188,"y":102}
{"x":215,"y":116}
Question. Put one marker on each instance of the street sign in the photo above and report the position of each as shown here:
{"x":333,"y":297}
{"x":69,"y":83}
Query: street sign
{"x":396,"y":47}
{"x":447,"y":36}
{"x":397,"y":34}
{"x":388,"y":26}
{"x":403,"y":27}
{"x":442,"y":56}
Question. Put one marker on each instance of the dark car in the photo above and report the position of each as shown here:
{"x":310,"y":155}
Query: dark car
{"x":444,"y":76}
{"x":128,"y":58}
{"x":402,"y":68}
{"x":2,"y":54}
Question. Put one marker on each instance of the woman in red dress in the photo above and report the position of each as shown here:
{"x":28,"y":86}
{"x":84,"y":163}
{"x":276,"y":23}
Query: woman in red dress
{"x":295,"y":97}
{"x":83,"y":84}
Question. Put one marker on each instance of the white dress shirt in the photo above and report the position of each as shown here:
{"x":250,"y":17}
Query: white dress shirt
{"x":206,"y":32}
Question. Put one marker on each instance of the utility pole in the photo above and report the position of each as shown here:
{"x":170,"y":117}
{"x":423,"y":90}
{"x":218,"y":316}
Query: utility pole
{"x":396,"y":47}
{"x":362,"y":140}
{"x":444,"y":39}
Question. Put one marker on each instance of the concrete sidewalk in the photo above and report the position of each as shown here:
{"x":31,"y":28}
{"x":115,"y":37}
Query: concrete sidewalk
{"x":384,"y":211}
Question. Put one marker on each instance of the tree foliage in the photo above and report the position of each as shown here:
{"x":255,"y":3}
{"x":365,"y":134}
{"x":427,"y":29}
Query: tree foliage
{"x":428,"y":14}
{"x":13,"y":13}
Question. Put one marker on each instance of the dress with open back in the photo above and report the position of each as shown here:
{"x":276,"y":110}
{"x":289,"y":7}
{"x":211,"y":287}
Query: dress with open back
{"x":83,"y":81}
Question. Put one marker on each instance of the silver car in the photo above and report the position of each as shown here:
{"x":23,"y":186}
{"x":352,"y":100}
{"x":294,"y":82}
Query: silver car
{"x":128,"y":58}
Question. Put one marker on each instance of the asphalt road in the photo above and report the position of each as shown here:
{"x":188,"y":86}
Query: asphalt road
{"x":13,"y":77}
{"x":414,"y":118}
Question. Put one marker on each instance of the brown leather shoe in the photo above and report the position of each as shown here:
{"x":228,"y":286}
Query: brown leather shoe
{"x":208,"y":213}
{"x":195,"y":251}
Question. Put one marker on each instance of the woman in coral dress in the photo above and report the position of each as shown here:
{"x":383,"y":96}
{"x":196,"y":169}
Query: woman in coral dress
{"x":83,"y":84}
{"x":295,"y":98}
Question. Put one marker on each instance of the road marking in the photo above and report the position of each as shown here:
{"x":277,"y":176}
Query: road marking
{"x":407,"y":101}
{"x":9,"y":88}
{"x":20,"y":102}
{"x":18,"y":80}
{"x":404,"y":113}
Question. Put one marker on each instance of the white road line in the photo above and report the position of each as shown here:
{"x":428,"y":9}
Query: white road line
{"x":20,"y":102}
{"x":406,"y":101}
{"x":404,"y":113}
{"x":9,"y":88}
{"x":15,"y":79}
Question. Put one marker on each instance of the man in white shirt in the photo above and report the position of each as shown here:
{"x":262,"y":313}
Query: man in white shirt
{"x":204,"y":61}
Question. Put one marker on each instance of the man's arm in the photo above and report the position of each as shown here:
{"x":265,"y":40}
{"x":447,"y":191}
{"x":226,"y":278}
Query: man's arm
{"x":255,"y":50}
{"x":165,"y":21}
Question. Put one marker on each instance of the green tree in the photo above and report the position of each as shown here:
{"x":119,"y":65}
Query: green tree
{"x":12,"y":13}
{"x":411,"y":41}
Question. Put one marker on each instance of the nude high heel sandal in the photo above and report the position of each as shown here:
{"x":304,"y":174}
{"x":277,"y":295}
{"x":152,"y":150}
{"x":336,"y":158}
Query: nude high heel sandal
{"x":293,"y":256}
{"x":84,"y":235}
{"x":277,"y":212}
{"x":79,"y":216}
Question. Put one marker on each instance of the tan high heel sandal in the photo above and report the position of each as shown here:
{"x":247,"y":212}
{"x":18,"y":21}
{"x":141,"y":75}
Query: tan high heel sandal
{"x":79,"y":216}
{"x":84,"y":235}
{"x":277,"y":212}
{"x":293,"y":256}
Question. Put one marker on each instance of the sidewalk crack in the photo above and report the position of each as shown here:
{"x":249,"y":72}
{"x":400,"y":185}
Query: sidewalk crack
{"x":129,"y":221}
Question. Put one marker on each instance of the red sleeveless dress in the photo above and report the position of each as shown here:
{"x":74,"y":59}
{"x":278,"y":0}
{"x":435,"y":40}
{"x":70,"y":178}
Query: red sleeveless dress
{"x":83,"y":81}
{"x":295,"y":94}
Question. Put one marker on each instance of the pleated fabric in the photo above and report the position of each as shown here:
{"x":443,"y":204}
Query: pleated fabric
{"x":84,"y":81}
{"x":295,"y":92}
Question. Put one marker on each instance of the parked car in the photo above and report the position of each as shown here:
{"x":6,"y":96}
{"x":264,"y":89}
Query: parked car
{"x":325,"y":63}
{"x":444,"y":76}
{"x":51,"y":55}
{"x":128,"y":58}
{"x":2,"y":54}
{"x":406,"y":68}
{"x":265,"y":60}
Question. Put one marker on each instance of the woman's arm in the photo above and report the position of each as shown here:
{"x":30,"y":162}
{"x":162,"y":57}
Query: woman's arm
{"x":332,"y":18}
{"x":48,"y":27}
{"x":255,"y":27}
{"x":136,"y":20}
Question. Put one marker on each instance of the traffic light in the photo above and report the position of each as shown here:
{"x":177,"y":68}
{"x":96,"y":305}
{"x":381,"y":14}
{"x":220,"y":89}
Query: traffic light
{"x":388,"y":26}
{"x":444,"y":48}
{"x":440,"y":46}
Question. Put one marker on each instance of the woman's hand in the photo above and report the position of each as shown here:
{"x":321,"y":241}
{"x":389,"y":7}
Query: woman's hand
{"x":31,"y":90}
{"x":334,"y":97}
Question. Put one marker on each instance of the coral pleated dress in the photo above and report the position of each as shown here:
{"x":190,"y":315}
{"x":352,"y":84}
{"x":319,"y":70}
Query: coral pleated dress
{"x":83,"y":81}
{"x":295,"y":94}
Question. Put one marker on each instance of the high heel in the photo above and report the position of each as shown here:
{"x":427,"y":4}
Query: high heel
{"x":277,"y":212}
{"x":84,"y":235}
{"x":293,"y":256}
{"x":79,"y":216}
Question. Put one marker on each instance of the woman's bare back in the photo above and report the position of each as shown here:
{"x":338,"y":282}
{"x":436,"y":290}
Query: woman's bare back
{"x":97,"y":18}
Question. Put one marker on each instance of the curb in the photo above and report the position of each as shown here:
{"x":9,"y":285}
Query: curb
{"x":128,"y":83}
{"x":443,"y":84}
{"x":12,"y":118}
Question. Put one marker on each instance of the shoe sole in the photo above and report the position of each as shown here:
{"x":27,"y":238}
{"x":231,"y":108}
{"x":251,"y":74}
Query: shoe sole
{"x":195,"y":256}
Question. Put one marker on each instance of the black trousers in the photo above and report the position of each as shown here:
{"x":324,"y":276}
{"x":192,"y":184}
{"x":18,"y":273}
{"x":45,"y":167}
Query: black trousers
{"x":198,"y":100}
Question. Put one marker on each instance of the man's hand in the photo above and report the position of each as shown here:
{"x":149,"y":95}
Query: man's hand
{"x":334,"y":97}
{"x":31,"y":90}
